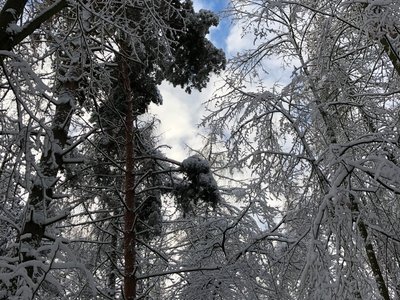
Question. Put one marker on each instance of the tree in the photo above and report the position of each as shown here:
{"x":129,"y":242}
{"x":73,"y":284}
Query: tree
{"x":324,"y":147}
{"x":189,"y":63}
{"x":58,"y":61}
{"x":44,"y":131}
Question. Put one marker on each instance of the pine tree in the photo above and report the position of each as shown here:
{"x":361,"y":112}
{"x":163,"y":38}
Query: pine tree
{"x":56,"y":68}
{"x":192,"y":58}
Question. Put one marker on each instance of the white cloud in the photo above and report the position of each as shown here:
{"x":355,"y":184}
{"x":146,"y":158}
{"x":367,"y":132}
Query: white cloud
{"x":236,"y":41}
{"x":201,"y":4}
{"x":179,"y":115}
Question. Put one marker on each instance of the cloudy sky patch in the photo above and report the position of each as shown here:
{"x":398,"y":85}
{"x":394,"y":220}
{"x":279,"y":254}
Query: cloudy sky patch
{"x":181,"y":112}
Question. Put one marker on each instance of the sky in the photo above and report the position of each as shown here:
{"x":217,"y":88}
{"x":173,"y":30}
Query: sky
{"x":180,"y":113}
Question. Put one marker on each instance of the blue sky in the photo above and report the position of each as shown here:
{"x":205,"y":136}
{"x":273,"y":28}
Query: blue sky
{"x":217,"y":35}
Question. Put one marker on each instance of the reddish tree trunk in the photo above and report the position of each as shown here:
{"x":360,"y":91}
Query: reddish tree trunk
{"x":130,"y":215}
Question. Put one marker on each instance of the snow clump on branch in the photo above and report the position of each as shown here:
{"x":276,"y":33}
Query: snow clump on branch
{"x":198,"y":184}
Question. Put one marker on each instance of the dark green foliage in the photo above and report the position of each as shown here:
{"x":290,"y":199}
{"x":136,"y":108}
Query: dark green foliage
{"x":188,"y":62}
{"x":150,"y":179}
{"x":195,"y":57}
{"x":149,"y":216}
{"x":107,"y":174}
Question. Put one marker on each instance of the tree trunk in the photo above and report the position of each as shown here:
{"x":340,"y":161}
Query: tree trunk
{"x":130,"y":214}
{"x":50,"y":164}
{"x":369,"y":250}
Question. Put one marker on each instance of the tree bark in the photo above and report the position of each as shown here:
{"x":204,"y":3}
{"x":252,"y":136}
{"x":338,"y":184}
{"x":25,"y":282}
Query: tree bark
{"x":130,"y":214}
{"x":50,"y":164}
{"x":369,"y":250}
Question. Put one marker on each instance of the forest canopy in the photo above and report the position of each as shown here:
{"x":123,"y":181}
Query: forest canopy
{"x":294,"y":194}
